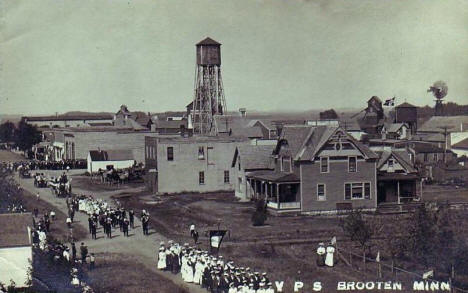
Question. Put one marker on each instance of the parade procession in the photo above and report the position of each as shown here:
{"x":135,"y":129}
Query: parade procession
{"x":233,"y":146}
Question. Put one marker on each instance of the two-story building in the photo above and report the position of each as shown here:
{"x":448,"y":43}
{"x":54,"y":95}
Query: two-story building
{"x":190,"y":164}
{"x":250,"y":158}
{"x":319,"y":169}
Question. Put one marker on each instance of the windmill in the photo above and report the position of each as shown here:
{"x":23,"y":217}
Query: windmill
{"x":439,"y":89}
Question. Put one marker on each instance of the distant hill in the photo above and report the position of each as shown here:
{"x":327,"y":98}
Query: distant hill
{"x":79,"y":113}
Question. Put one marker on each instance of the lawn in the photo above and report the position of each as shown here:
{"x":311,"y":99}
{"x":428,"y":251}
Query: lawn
{"x":122,"y":273}
{"x":285,"y":246}
{"x":7,"y":156}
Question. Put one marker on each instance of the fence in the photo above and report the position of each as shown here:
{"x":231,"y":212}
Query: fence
{"x":385,"y":270}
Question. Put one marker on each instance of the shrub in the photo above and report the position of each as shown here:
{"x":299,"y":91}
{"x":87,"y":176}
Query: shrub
{"x":260,"y":215}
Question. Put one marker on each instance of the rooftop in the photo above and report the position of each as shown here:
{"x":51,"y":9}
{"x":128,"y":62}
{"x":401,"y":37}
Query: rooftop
{"x":70,"y":117}
{"x":208,"y":42}
{"x":111,"y":155}
{"x":254,"y":156}
{"x":461,"y":144}
{"x":14,"y":230}
{"x":439,"y":123}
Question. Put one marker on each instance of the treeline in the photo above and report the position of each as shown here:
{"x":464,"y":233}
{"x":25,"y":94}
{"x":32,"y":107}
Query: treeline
{"x":23,"y":135}
{"x":450,"y":109}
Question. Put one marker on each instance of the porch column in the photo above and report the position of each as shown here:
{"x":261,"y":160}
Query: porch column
{"x":277,"y":194}
{"x":398,"y":191}
{"x":420,"y":190}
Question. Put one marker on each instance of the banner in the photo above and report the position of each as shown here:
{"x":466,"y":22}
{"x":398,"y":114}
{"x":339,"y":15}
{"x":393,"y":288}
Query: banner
{"x":216,"y":236}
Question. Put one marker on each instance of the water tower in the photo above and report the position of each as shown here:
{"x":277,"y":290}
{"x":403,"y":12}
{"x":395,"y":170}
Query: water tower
{"x":208,"y":101}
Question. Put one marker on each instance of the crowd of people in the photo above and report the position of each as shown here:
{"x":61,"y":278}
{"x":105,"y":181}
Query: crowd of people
{"x":212,"y":273}
{"x":100,"y":213}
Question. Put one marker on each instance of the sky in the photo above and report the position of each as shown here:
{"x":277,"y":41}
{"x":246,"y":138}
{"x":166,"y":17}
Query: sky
{"x":277,"y":55}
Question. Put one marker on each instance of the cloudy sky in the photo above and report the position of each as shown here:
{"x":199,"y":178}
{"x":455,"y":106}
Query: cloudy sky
{"x":94,"y":55}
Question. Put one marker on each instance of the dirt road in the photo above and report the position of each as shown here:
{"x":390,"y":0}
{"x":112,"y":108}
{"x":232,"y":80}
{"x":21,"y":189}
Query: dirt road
{"x":143,"y":248}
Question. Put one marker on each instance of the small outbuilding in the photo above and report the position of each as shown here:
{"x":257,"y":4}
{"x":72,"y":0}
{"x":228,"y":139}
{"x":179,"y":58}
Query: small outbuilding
{"x":106,"y":160}
{"x":15,"y":248}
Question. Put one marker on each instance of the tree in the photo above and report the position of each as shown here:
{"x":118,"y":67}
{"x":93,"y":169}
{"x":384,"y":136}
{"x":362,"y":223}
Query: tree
{"x":358,"y":229}
{"x":261,"y":214}
{"x":27,"y":136}
{"x":7,"y":131}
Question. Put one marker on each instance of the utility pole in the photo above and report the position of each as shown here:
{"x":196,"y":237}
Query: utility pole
{"x":445,"y":128}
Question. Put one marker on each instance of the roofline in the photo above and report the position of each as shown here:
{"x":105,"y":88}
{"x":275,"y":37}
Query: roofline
{"x":15,"y":246}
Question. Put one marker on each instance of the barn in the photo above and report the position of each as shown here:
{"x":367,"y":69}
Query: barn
{"x":107,"y":159}
{"x":15,"y":248}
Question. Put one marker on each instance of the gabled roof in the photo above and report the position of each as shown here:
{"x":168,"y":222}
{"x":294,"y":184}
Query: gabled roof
{"x":208,"y":42}
{"x":237,"y":126}
{"x":305,"y":142}
{"x":254,"y":156}
{"x":401,"y":156}
{"x":294,"y":136}
{"x":461,"y":144}
{"x":111,"y":155}
{"x":14,"y":229}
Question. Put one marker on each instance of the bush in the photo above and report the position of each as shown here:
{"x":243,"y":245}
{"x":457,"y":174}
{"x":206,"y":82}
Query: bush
{"x":260,"y":215}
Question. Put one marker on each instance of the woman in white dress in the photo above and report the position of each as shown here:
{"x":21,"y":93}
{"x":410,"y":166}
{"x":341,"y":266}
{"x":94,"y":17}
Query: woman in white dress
{"x":162,"y":259}
{"x":189,"y":271}
{"x":329,"y":260}
{"x":197,"y":277}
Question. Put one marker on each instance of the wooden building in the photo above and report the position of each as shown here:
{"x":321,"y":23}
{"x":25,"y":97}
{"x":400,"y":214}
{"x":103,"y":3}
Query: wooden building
{"x":317,"y":170}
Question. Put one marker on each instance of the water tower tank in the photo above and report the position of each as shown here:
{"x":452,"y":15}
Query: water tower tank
{"x":209,"y":53}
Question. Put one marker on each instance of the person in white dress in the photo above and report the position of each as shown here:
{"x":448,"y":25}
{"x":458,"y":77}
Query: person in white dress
{"x":162,"y":259}
{"x":329,"y":259}
{"x":189,"y":271}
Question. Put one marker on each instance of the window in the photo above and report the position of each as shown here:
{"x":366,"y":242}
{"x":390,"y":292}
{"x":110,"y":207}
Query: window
{"x":367,"y":190}
{"x":201,"y":178}
{"x":226,"y":176}
{"x":147,"y":151}
{"x":321,"y":192}
{"x":286,"y":164}
{"x":238,"y":165}
{"x":391,"y":162}
{"x":358,"y":190}
{"x":170,"y":153}
{"x":324,"y":165}
{"x":201,"y":153}
{"x":209,"y":156}
{"x":352,"y":164}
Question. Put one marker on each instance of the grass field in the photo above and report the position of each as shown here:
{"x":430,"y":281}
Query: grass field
{"x":7,"y":156}
{"x":122,"y":273}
